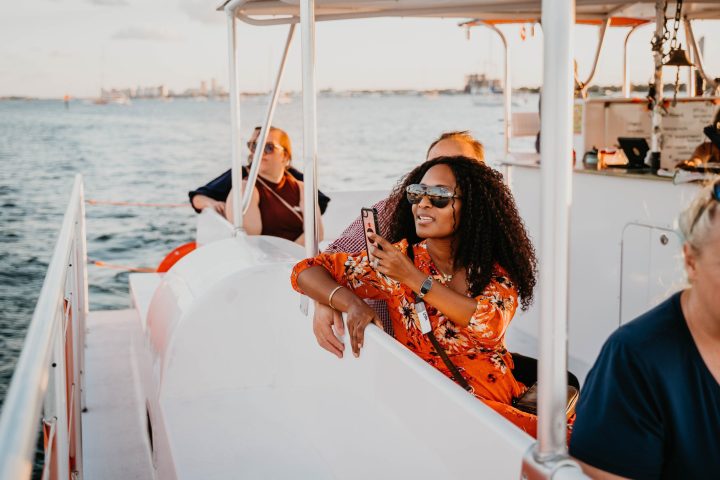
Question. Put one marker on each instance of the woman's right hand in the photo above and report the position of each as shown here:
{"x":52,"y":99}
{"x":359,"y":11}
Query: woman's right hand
{"x":201,"y":202}
{"x":359,"y":316}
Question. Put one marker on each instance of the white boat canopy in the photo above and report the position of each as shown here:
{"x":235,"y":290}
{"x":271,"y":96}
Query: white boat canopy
{"x":253,"y":11}
{"x":548,"y":458}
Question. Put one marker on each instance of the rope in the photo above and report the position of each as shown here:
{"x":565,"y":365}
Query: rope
{"x":136,"y":204}
{"x":99,"y":263}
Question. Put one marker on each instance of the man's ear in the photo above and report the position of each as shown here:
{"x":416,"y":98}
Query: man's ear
{"x":690,"y":256}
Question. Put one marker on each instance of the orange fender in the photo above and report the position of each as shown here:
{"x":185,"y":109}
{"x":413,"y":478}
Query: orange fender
{"x":172,"y":257}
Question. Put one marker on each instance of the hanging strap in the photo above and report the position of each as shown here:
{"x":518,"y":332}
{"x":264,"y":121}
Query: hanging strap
{"x":282,"y":200}
{"x":436,"y":345}
{"x":448,"y":363}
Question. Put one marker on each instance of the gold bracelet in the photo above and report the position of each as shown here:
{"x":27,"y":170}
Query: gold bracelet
{"x":330,"y":297}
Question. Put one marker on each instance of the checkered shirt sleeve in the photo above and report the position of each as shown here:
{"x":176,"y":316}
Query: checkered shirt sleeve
{"x":352,"y":240}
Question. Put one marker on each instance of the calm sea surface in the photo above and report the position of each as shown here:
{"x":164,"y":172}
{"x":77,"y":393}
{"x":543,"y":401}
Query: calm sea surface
{"x":153,"y":151}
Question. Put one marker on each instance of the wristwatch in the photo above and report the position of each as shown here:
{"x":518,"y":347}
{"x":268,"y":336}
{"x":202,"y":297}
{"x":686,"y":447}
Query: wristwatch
{"x":425,"y":287}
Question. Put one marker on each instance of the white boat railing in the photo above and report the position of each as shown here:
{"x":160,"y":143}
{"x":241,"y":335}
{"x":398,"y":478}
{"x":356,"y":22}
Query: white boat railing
{"x":46,"y":388}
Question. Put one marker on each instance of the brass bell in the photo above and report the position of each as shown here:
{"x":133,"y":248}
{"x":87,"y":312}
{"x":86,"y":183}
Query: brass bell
{"x":678,"y":58}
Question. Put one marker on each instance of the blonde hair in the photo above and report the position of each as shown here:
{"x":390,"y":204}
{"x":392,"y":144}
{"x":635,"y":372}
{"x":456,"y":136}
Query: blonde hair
{"x":462,"y":136}
{"x":697,"y":219}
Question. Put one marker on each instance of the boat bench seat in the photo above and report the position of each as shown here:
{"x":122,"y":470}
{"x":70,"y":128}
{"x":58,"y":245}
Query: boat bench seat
{"x":142,"y":289}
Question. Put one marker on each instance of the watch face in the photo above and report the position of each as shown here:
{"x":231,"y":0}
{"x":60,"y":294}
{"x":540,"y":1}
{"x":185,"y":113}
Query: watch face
{"x":425,"y":287}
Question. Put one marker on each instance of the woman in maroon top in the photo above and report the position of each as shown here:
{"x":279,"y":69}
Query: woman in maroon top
{"x":277,"y":202}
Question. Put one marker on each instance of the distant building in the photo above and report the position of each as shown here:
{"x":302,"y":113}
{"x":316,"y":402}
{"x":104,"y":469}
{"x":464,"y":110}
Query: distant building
{"x":162,"y":91}
{"x":480,"y":83}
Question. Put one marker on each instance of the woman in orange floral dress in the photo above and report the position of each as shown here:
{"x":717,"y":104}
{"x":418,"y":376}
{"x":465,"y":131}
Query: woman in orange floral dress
{"x":456,"y":246}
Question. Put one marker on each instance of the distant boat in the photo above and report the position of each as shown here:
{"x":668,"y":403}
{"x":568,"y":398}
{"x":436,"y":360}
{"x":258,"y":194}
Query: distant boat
{"x":112,"y":97}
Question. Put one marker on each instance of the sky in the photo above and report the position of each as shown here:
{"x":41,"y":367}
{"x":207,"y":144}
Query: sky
{"x":49,"y":48}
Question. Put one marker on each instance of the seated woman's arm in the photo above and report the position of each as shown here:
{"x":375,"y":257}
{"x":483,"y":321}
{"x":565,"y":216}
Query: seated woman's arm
{"x":318,"y":277}
{"x":212,"y":195}
{"x":318,"y":284}
{"x":252,"y":222}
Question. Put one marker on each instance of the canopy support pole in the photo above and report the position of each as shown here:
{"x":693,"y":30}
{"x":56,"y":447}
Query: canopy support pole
{"x":548,"y":457}
{"x":691,"y":71}
{"x":307,"y":31}
{"x":656,"y":139}
{"x":236,"y":175}
{"x":601,"y":41}
{"x":626,"y":67}
{"x":507,"y":84}
{"x":265,"y":129}
{"x":697,"y":56}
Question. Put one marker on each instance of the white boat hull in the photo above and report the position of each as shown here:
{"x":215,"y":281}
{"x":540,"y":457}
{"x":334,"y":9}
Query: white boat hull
{"x":238,"y":388}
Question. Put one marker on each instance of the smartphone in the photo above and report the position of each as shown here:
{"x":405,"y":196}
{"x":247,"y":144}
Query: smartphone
{"x":369,"y":218}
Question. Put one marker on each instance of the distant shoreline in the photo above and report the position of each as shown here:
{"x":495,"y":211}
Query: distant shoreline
{"x":595,"y":89}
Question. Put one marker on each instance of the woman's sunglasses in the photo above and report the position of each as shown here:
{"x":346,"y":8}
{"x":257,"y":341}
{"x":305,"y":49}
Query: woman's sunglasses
{"x":439,"y":196}
{"x":269,"y":147}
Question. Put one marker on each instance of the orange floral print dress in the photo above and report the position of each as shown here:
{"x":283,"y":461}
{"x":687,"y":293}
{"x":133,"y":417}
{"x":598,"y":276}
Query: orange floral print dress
{"x":478,"y":350}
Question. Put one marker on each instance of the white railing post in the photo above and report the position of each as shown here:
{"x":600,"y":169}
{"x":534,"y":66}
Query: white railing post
{"x":58,"y":395}
{"x":235,"y":119}
{"x":558,"y":19}
{"x":507,"y":86}
{"x":656,"y":136}
{"x":83,"y":306}
{"x":698,"y":57}
{"x":549,"y":454}
{"x":307,"y":27}
{"x":40,"y":383}
{"x":626,"y":67}
{"x":75,"y":424}
{"x":265,"y":128}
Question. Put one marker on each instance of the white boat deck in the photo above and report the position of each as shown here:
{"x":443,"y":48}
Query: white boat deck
{"x":115,"y":441}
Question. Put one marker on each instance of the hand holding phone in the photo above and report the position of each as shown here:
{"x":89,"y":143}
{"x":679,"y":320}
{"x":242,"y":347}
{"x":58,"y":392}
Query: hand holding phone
{"x":369,"y":217}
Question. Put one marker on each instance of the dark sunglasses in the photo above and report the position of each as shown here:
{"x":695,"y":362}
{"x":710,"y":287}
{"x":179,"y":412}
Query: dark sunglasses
{"x":439,"y":196}
{"x":269,"y":147}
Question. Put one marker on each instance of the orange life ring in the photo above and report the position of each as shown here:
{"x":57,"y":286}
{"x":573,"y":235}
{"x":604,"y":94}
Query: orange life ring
{"x":172,"y":257}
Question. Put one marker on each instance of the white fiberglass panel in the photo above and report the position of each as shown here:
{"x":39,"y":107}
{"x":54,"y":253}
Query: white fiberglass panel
{"x":211,"y":227}
{"x":603,"y":205}
{"x":247,"y":393}
{"x":652,"y":268}
{"x":345,"y":207}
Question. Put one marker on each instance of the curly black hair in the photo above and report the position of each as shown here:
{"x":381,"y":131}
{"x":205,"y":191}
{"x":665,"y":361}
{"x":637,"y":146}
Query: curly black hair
{"x":489,"y":230}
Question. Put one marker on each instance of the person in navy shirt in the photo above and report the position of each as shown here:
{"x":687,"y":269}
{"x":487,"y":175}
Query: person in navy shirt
{"x":650,"y":407}
{"x":213,"y":194}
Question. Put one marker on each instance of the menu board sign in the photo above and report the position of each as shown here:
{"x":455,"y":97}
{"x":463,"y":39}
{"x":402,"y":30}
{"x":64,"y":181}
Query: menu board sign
{"x":683,"y":130}
{"x":682,"y":125}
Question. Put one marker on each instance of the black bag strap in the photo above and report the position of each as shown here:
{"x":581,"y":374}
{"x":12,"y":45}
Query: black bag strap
{"x":436,"y":345}
{"x":448,"y":363}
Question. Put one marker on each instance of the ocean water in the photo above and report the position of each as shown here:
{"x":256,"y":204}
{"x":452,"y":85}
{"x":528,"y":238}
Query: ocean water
{"x":153,"y":151}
